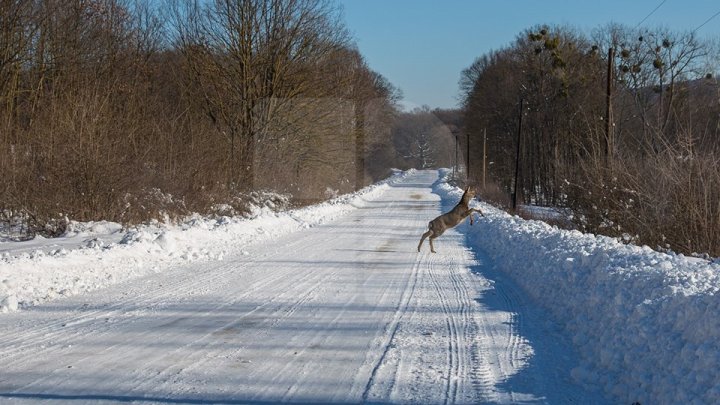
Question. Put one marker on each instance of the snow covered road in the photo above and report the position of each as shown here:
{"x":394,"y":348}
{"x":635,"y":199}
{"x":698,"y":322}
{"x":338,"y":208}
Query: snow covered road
{"x":347,"y":311}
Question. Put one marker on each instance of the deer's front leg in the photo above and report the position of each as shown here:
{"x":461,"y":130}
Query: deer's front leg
{"x":471,"y":212}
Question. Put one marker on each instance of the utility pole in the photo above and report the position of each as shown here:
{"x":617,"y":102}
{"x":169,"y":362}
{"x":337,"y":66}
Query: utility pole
{"x":517,"y":156}
{"x":359,"y":146}
{"x":455,"y":168}
{"x":609,"y":141}
{"x":484,"y":155}
{"x":467,"y":170}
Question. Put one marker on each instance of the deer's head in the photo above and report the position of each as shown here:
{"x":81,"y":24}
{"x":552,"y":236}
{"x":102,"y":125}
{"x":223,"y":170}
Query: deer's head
{"x":468,"y":195}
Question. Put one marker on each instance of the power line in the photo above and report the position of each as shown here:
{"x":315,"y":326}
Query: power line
{"x":651,"y":13}
{"x":706,"y":21}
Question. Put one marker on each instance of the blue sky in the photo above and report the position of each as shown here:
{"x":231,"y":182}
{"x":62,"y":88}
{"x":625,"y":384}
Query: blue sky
{"x":421,"y":46}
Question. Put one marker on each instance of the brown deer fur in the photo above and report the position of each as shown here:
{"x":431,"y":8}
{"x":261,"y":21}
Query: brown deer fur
{"x":450,"y":219}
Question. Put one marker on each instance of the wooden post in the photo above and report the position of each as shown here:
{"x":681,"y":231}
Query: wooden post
{"x":517,"y":156}
{"x":467,"y":166}
{"x":455,"y":168}
{"x":359,"y":146}
{"x":484,"y":155}
{"x":609,"y":141}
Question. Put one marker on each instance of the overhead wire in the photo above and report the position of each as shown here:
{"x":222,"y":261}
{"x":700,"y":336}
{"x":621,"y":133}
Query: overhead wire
{"x":651,"y":13}
{"x":660,"y":5}
{"x":706,"y":21}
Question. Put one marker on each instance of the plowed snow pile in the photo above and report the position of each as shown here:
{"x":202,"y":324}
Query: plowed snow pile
{"x":646,"y":323}
{"x":101,"y":254}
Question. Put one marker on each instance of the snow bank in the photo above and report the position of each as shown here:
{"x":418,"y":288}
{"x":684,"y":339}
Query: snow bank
{"x":100,"y":254}
{"x":646,"y":323}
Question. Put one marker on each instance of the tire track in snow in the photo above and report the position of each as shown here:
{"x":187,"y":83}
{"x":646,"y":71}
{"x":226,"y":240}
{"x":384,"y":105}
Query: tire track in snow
{"x":391,"y":331}
{"x":292,"y":284}
{"x":54,"y":336}
{"x":502,"y":307}
{"x":475,"y":366}
{"x":53,"y":331}
{"x":459,"y":277}
{"x":274,"y":310}
{"x":308,"y":289}
{"x":416,"y":355}
{"x":452,"y":338}
{"x":456,"y":306}
{"x":515,"y":326}
{"x":56,"y":332}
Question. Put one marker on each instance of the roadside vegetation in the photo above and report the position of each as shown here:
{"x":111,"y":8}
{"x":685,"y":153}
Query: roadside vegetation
{"x":641,"y":164}
{"x":128,"y":110}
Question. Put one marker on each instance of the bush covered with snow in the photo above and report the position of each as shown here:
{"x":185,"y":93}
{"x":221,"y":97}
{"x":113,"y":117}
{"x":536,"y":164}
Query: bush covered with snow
{"x":646,"y":323}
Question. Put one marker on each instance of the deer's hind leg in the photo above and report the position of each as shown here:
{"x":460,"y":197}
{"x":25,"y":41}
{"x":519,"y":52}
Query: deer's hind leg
{"x":425,"y":235}
{"x":432,"y":248}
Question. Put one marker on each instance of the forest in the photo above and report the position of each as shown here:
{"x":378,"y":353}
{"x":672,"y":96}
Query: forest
{"x":621,"y":128}
{"x":129,"y":111}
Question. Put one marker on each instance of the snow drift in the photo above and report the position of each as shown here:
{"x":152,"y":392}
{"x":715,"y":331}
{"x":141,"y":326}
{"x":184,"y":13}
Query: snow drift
{"x":645,"y":323}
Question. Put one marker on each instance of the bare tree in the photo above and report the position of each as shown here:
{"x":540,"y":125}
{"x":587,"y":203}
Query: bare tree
{"x":665,"y":123}
{"x":102,"y":116}
{"x":423,"y":140}
{"x":650,"y":65}
{"x":251,"y":59}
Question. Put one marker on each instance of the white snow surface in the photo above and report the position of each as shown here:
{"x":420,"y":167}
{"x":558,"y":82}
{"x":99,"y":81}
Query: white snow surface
{"x":100,"y":254}
{"x":345,"y":311}
{"x":333,"y":304}
{"x":646,"y":324}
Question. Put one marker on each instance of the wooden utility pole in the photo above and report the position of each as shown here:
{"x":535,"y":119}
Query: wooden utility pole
{"x":609,"y":141}
{"x":517,"y":155}
{"x":359,"y":146}
{"x":467,"y":151}
{"x":484,"y":155}
{"x":455,"y":168}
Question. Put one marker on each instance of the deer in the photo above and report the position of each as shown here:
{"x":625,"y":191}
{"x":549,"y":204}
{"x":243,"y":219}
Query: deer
{"x":439,"y":225}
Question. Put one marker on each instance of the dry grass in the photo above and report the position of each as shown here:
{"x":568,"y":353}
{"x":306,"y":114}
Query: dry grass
{"x":669,"y":200}
{"x":495,"y":195}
